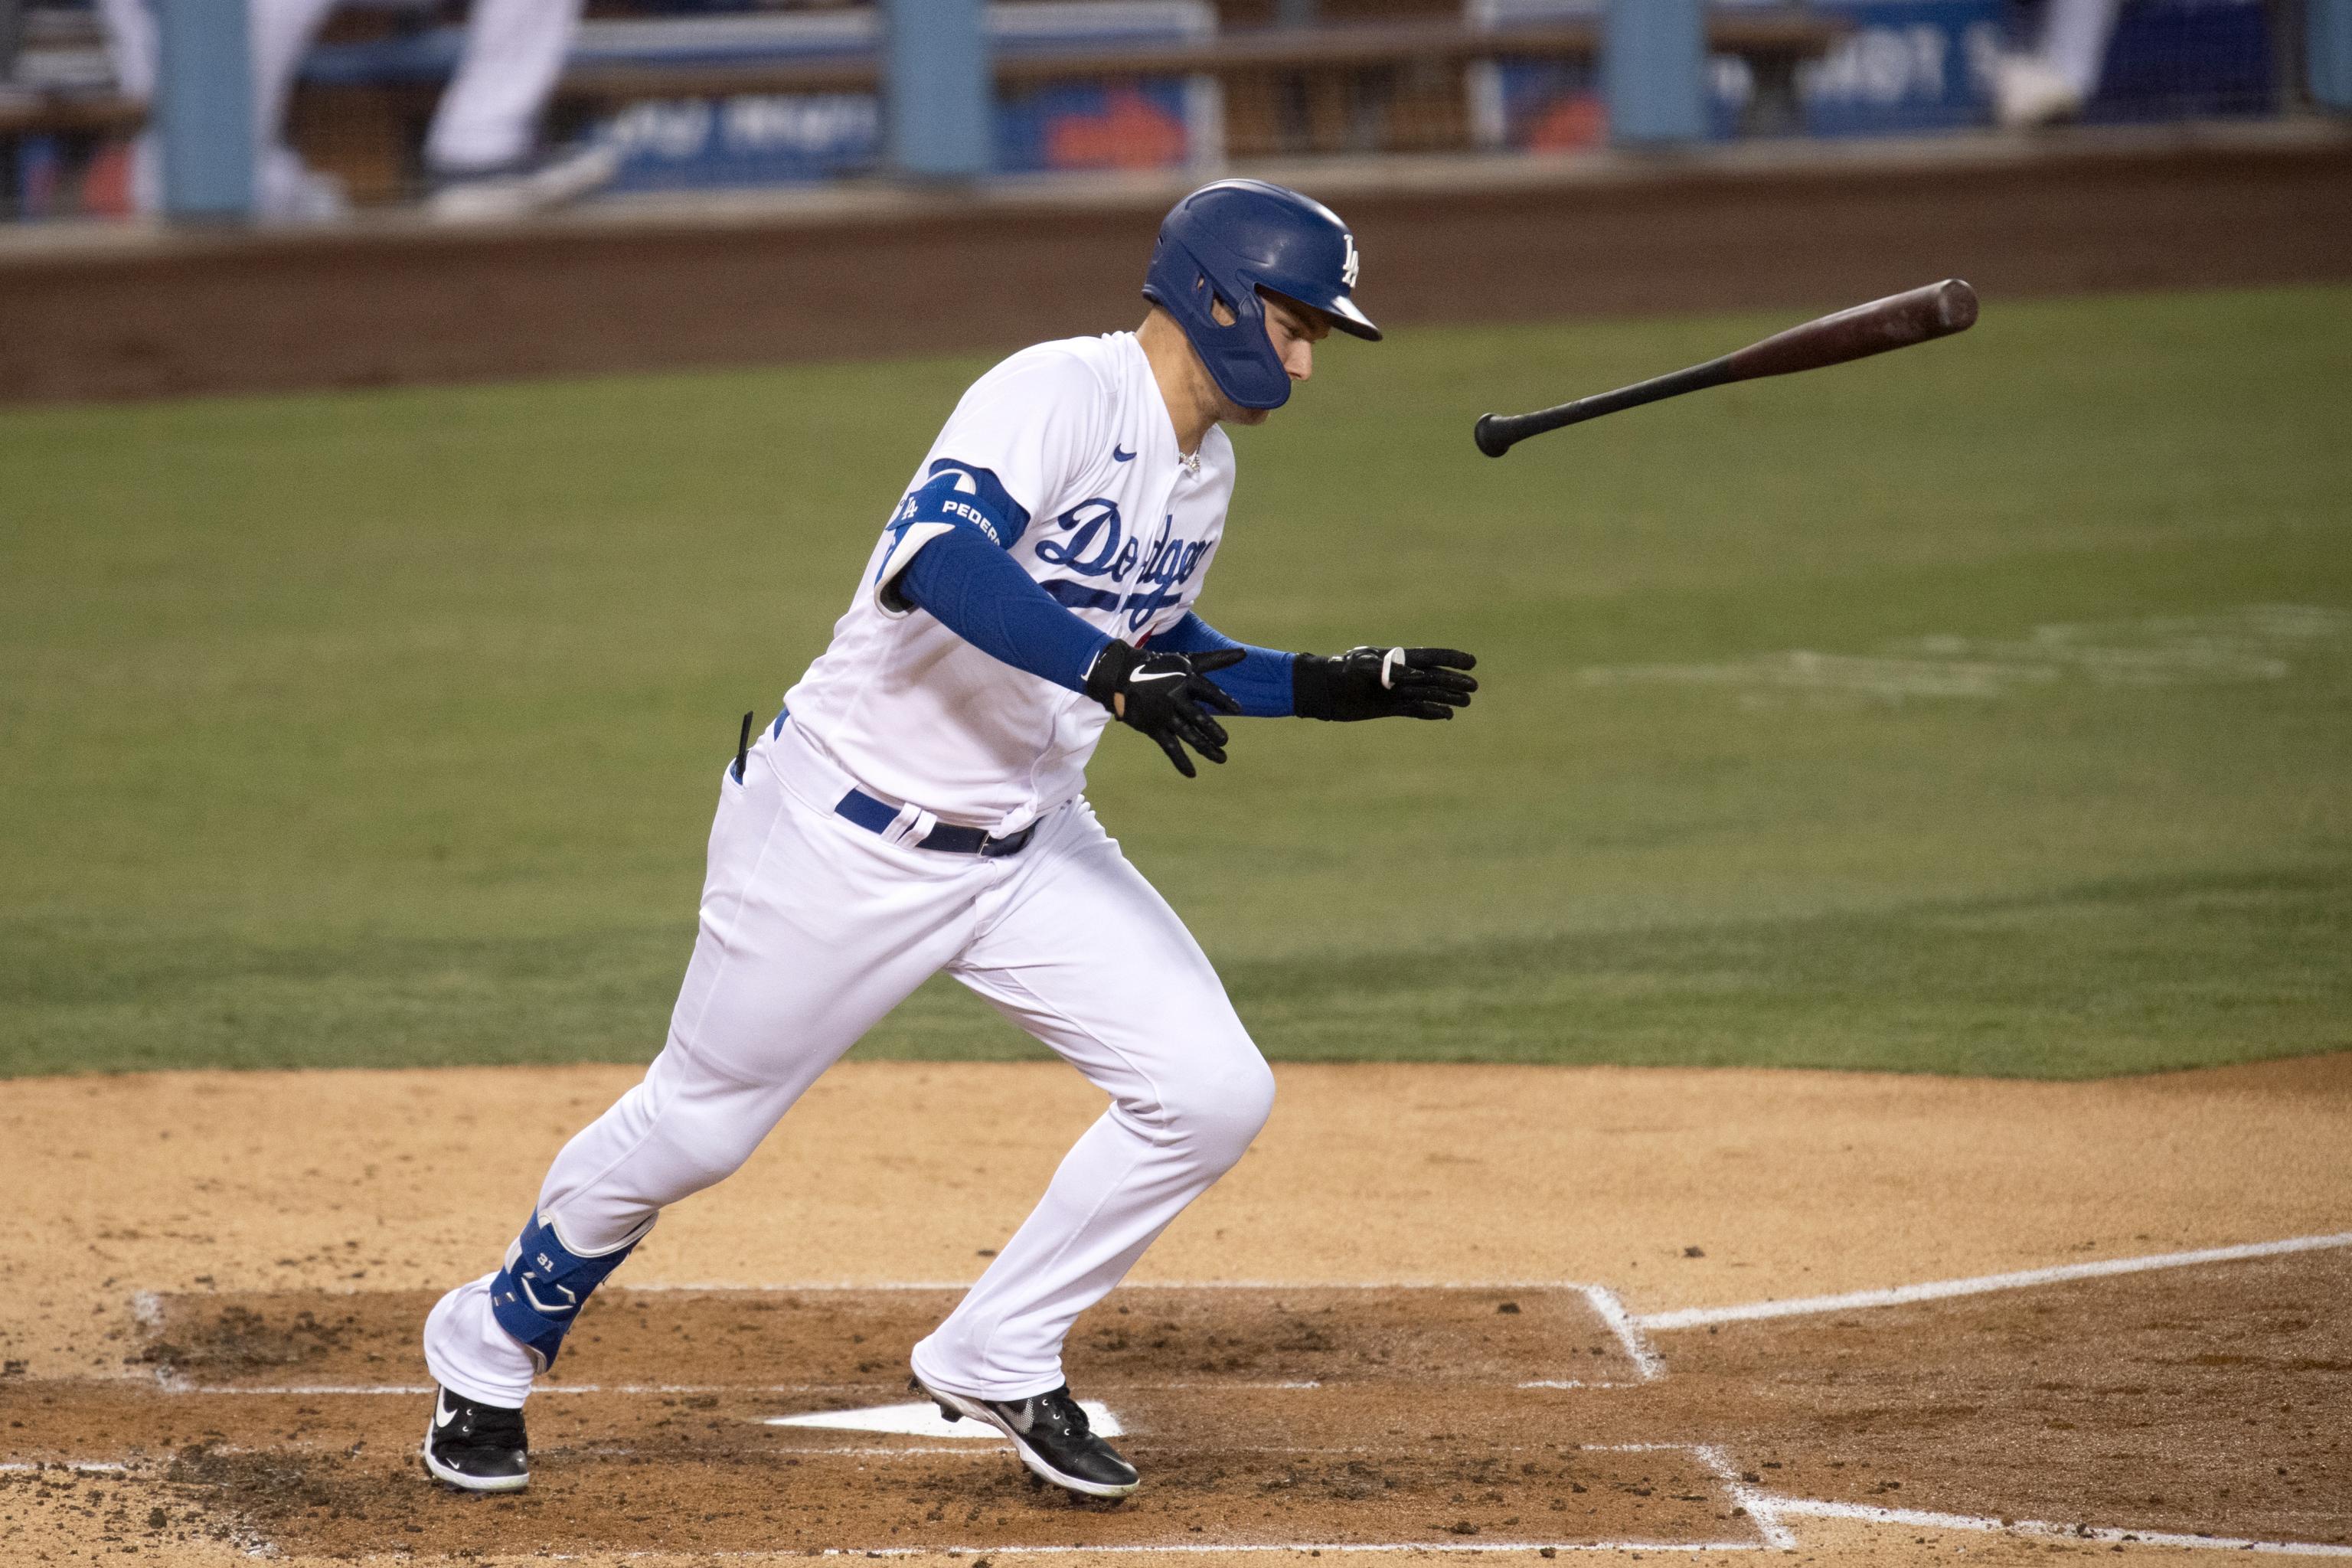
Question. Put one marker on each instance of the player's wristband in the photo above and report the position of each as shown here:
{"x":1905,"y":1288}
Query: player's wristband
{"x":1311,"y":696}
{"x":1260,"y":680}
{"x":1108,"y":670}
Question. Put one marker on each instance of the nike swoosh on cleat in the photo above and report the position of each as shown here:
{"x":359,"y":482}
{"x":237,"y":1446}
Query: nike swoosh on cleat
{"x":442,"y":1413}
{"x":1118,"y":457}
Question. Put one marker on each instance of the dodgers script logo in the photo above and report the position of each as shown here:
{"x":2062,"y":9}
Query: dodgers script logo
{"x":1092,"y":544}
{"x":1093,"y":539}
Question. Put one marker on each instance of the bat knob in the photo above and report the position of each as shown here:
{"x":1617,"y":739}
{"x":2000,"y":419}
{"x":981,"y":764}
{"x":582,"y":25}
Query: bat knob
{"x":1490,"y":439}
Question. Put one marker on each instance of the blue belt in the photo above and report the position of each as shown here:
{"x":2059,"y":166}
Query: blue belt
{"x":879,"y":816}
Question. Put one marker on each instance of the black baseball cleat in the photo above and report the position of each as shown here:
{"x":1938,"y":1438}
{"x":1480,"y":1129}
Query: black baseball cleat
{"x":1051,"y":1434}
{"x":481,"y":1448}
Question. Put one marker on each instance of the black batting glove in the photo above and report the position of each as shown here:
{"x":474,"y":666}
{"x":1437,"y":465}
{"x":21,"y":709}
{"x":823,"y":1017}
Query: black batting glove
{"x":1382,"y":683}
{"x":1166,"y":696}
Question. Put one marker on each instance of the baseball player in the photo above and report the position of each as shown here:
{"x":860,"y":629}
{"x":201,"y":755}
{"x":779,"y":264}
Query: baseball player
{"x":481,"y":150}
{"x":917,"y":806}
{"x":2054,"y":79}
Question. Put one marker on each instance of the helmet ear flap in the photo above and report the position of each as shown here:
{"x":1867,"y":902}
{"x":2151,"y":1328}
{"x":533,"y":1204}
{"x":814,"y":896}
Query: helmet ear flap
{"x":1210,"y":295}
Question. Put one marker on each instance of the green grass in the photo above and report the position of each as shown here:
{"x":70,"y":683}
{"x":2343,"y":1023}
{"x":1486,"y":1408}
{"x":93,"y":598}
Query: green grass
{"x":384,"y":728}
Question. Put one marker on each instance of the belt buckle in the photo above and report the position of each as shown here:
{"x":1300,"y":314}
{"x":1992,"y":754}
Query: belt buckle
{"x":995,"y":849}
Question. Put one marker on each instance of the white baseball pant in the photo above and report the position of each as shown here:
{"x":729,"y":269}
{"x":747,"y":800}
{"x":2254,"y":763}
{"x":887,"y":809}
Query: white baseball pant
{"x":2074,"y":38}
{"x":811,"y":928}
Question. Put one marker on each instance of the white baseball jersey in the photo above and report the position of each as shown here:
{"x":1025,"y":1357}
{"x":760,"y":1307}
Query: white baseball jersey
{"x":1106,"y":513}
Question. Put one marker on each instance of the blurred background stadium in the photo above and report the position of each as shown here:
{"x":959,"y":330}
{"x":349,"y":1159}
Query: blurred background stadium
{"x":703,"y":95}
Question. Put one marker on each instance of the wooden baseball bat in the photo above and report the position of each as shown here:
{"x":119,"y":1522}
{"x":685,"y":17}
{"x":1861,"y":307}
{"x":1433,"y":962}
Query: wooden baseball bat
{"x":1896,"y":323}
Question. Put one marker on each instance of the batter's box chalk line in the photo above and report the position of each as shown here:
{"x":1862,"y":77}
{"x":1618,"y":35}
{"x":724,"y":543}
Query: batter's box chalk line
{"x":1606,"y":1305}
{"x":1327,"y":1547}
{"x":1621,"y":1325}
{"x":1982,"y":1284}
{"x":1777,"y":1509}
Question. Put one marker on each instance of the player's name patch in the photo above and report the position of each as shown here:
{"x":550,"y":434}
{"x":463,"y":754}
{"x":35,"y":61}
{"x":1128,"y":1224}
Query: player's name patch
{"x":965,"y":495}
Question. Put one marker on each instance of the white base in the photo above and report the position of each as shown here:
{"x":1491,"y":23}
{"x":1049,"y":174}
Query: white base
{"x":922,"y":1419}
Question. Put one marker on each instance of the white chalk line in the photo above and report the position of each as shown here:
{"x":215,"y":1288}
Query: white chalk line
{"x":169,"y":1384}
{"x":769,"y":1288}
{"x":1621,"y":1323}
{"x":80,"y":1467}
{"x":1745,"y":1498}
{"x":1187,"y":1548}
{"x":1982,"y":1284}
{"x":1776,"y":1508}
{"x":1604,"y":1303}
{"x":972,"y":1449}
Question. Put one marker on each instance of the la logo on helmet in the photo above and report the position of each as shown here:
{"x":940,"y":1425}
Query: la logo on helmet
{"x":1348,"y":266}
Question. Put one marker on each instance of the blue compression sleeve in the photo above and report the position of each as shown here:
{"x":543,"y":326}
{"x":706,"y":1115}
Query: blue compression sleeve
{"x":981,"y":594}
{"x":1260,"y":682}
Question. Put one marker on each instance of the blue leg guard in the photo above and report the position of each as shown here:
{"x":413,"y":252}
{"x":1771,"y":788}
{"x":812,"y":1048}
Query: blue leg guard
{"x":536,"y":1296}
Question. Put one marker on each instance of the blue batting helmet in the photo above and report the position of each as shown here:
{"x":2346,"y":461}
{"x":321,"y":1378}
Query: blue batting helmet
{"x":1228,"y":240}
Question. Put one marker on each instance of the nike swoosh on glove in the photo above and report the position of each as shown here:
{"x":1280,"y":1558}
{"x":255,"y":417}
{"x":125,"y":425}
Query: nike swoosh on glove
{"x":1168,"y":697}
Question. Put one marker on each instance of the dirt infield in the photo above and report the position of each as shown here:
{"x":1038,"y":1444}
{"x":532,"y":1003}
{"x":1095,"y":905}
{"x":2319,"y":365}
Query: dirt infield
{"x":1516,"y":1310}
{"x":883,"y":278}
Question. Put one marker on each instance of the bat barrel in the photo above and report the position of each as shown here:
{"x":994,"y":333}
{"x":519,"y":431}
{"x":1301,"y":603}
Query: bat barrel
{"x":1897,"y":322}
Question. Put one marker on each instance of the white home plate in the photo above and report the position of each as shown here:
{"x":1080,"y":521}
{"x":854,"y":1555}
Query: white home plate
{"x":924,"y":1420}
